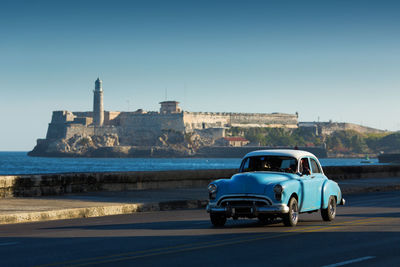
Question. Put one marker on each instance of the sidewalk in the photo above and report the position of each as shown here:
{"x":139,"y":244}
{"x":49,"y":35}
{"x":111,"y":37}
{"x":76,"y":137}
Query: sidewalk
{"x":19,"y":210}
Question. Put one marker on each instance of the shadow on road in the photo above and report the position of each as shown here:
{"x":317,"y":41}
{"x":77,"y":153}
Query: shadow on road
{"x":171,"y":225}
{"x":240,"y":249}
{"x":372,"y":215}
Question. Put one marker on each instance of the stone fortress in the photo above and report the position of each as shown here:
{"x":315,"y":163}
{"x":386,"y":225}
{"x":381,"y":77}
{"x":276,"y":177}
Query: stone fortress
{"x":171,"y":131}
{"x":140,"y":128}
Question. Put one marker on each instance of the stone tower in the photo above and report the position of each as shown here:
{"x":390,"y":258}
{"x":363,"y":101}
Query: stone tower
{"x":98,"y":109}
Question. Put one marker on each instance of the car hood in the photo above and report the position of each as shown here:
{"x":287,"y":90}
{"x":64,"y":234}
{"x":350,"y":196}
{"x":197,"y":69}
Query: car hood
{"x":254,"y":182}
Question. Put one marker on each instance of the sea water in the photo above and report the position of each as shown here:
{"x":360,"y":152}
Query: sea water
{"x":20,"y":163}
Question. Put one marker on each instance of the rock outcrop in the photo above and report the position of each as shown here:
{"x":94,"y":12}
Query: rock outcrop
{"x":168,"y":144}
{"x":75,"y":146}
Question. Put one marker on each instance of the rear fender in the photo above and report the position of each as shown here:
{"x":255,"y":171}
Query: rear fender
{"x":330,"y":188}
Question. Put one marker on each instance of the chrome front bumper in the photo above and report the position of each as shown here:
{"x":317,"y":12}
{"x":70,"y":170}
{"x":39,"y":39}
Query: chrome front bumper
{"x":230,"y":211}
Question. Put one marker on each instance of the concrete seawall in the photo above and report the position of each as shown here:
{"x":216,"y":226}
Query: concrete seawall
{"x":59,"y":184}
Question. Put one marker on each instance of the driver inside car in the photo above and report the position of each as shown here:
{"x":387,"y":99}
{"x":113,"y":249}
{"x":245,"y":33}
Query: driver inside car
{"x":305,"y":168}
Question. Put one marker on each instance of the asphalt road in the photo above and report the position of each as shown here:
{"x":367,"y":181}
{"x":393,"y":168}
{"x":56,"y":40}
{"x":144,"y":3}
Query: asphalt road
{"x":366,"y":232}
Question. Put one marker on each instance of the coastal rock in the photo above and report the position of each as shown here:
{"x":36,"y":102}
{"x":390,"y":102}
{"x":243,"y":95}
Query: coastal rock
{"x":77,"y":145}
{"x":61,"y":146}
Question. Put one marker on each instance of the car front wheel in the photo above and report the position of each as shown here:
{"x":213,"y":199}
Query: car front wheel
{"x":329,"y":213}
{"x":291,"y":218}
{"x":218,"y":220}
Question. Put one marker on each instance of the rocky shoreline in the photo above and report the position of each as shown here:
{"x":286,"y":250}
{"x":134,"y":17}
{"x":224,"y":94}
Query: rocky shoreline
{"x":107,"y":147}
{"x":167,"y":145}
{"x":115,"y":152}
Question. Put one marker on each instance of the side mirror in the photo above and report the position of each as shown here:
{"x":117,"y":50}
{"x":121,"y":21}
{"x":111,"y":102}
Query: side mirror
{"x":299,"y":174}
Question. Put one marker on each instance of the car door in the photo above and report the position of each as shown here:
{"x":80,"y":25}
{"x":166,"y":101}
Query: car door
{"x":317,"y":181}
{"x":311,"y":185}
{"x":305,"y":199}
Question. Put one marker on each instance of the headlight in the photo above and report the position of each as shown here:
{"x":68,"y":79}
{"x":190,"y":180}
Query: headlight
{"x":212,"y":188}
{"x":278,"y":189}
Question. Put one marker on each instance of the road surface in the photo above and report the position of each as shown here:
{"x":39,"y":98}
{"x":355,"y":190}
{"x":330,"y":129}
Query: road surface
{"x":366,"y":232}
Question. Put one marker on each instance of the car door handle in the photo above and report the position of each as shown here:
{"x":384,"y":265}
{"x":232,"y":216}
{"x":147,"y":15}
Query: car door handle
{"x":313,"y":176}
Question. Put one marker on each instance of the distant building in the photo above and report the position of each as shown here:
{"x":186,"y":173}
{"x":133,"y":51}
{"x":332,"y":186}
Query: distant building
{"x":235,"y":141}
{"x":168,"y":107}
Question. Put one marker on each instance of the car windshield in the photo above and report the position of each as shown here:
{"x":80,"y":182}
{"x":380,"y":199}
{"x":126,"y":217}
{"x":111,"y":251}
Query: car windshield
{"x":269,"y":163}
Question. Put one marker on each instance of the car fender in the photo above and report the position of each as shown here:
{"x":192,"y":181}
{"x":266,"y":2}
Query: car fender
{"x":330,"y":188}
{"x":291,"y":187}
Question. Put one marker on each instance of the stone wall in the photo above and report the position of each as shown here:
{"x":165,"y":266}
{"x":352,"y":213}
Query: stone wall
{"x":144,"y":129}
{"x":62,"y":120}
{"x":111,"y":117}
{"x":263,"y":120}
{"x":59,"y":184}
{"x":56,"y":131}
{"x":327,"y":128}
{"x":61,"y":116}
{"x":83,"y":130}
{"x":151,"y":121}
{"x":204,"y":120}
{"x":57,"y":126}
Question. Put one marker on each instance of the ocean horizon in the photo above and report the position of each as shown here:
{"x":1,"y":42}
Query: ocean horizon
{"x":18,"y":162}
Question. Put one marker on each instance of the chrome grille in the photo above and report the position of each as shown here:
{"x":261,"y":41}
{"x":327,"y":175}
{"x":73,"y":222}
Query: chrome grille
{"x":244,"y":201}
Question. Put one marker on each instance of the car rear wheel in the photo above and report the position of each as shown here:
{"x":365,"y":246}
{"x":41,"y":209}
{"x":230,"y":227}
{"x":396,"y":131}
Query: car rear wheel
{"x":218,"y":220}
{"x":291,"y":218}
{"x":329,"y":213}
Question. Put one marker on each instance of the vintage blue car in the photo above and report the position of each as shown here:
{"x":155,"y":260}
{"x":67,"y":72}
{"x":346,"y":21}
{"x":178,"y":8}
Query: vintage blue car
{"x":271,"y":184}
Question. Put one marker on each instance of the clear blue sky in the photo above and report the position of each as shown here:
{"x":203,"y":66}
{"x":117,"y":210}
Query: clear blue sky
{"x":332,"y":60}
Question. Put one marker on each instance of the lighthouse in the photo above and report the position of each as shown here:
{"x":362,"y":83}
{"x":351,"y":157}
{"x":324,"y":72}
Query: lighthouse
{"x":98,"y":109}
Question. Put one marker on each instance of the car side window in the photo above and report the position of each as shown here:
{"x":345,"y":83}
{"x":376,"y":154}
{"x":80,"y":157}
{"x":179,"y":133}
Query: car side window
{"x":245,"y":167}
{"x":304,"y":166}
{"x":314,"y":166}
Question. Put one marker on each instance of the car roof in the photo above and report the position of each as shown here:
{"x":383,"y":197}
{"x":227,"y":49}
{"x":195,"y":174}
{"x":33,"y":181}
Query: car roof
{"x":281,"y":152}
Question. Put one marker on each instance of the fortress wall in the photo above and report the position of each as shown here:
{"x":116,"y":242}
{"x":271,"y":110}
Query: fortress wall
{"x":143,"y":129}
{"x":271,"y":120}
{"x":104,"y":130}
{"x":328,"y":128}
{"x":57,"y":126}
{"x":173,"y":121}
{"x":129,"y":136}
{"x":82,"y":120}
{"x":203,"y":120}
{"x":111,"y":117}
{"x":361,"y":129}
{"x":154,"y":121}
{"x":78,"y":129}
{"x":56,"y":130}
{"x":82,"y":130}
{"x":61,"y":116}
{"x":83,"y":114}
